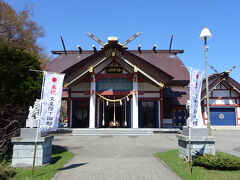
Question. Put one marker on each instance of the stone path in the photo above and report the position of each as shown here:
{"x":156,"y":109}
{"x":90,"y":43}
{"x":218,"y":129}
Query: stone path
{"x":228,"y":141}
{"x":116,"y":157}
{"x":127,"y":157}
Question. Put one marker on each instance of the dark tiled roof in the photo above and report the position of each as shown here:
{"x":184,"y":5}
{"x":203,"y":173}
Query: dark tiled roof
{"x":63,"y":62}
{"x":167,"y":62}
{"x":144,"y":64}
{"x":234,"y":83}
{"x":162,"y":65}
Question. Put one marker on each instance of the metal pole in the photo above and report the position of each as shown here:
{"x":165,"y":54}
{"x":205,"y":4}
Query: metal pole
{"x":207,"y":87}
{"x":36,"y":139}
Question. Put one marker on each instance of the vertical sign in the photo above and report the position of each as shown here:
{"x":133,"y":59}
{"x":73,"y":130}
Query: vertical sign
{"x":51,"y":101}
{"x":196,"y":78}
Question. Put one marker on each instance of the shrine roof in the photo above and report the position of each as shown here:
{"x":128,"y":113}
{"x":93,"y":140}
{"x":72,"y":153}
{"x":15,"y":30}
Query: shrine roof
{"x":217,"y":78}
{"x":164,"y":65}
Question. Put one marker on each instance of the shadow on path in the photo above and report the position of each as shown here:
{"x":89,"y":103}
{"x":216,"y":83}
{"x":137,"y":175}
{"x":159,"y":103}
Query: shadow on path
{"x":58,"y":149}
{"x":72,"y":166}
{"x":55,"y":159}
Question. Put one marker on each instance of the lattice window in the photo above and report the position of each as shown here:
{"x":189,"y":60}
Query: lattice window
{"x":114,"y":85}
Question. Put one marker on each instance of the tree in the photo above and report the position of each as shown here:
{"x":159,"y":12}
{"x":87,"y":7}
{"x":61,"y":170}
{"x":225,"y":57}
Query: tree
{"x":19,"y":87}
{"x":17,"y":30}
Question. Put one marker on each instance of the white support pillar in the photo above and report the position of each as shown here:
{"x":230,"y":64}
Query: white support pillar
{"x":205,"y":115}
{"x":135,"y":102}
{"x":98,"y":112}
{"x":92,"y":104}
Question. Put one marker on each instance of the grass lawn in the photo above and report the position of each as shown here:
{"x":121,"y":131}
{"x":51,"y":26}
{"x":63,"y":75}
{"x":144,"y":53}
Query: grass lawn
{"x":59,"y":157}
{"x":181,"y":168}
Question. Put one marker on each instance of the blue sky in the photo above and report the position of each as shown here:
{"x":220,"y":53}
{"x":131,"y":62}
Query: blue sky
{"x":157,"y":19}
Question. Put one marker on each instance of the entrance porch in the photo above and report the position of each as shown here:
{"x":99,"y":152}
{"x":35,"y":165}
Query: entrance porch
{"x":115,"y":114}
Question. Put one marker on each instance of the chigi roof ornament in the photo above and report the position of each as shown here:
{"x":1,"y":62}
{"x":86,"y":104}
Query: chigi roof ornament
{"x":113,"y":39}
{"x":131,"y":38}
{"x":95,"y":39}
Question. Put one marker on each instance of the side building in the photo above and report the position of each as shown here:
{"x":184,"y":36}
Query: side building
{"x":124,"y":88}
{"x":224,"y":100}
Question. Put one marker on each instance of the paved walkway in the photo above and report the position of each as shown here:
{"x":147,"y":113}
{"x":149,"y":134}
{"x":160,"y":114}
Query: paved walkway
{"x":127,"y":157}
{"x":116,"y":157}
{"x":228,"y":141}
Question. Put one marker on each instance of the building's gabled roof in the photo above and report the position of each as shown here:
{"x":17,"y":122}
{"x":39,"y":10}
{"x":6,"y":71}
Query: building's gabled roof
{"x":63,"y":62}
{"x":215,"y":79}
{"x":164,"y":66}
{"x":167,"y":61}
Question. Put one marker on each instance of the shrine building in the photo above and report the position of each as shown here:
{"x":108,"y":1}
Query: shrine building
{"x":224,"y":100}
{"x":117,"y":87}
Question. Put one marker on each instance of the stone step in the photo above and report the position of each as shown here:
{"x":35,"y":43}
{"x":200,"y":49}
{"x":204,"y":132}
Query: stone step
{"x":111,"y":132}
{"x":116,"y":131}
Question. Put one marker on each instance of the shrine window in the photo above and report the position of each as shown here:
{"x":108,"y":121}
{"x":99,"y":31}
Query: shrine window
{"x":114,"y":85}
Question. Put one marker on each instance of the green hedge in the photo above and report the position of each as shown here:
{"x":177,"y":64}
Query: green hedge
{"x":6,"y":172}
{"x":220,"y":161}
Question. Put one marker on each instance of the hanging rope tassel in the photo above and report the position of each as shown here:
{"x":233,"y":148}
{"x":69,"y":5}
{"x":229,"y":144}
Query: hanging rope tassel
{"x":116,"y":100}
{"x":126,"y":98}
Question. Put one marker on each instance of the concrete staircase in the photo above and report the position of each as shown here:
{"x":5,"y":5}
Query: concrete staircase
{"x":116,"y":131}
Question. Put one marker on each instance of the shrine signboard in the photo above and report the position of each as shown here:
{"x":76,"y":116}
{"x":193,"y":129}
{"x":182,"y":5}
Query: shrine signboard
{"x":114,"y":69}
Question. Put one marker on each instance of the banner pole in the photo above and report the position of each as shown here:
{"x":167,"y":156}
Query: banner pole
{"x":39,"y":118}
{"x":189,"y":127}
{"x":34,"y":152}
{"x":189,"y":149}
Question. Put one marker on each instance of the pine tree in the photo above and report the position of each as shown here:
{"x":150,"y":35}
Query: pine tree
{"x":19,"y":87}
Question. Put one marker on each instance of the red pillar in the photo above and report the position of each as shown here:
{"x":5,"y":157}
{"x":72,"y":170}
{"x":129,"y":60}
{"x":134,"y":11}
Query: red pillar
{"x":161,"y":107}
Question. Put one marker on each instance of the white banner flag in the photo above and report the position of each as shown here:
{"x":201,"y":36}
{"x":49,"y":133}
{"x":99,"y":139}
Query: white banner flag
{"x":195,"y":113}
{"x":51,"y":101}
